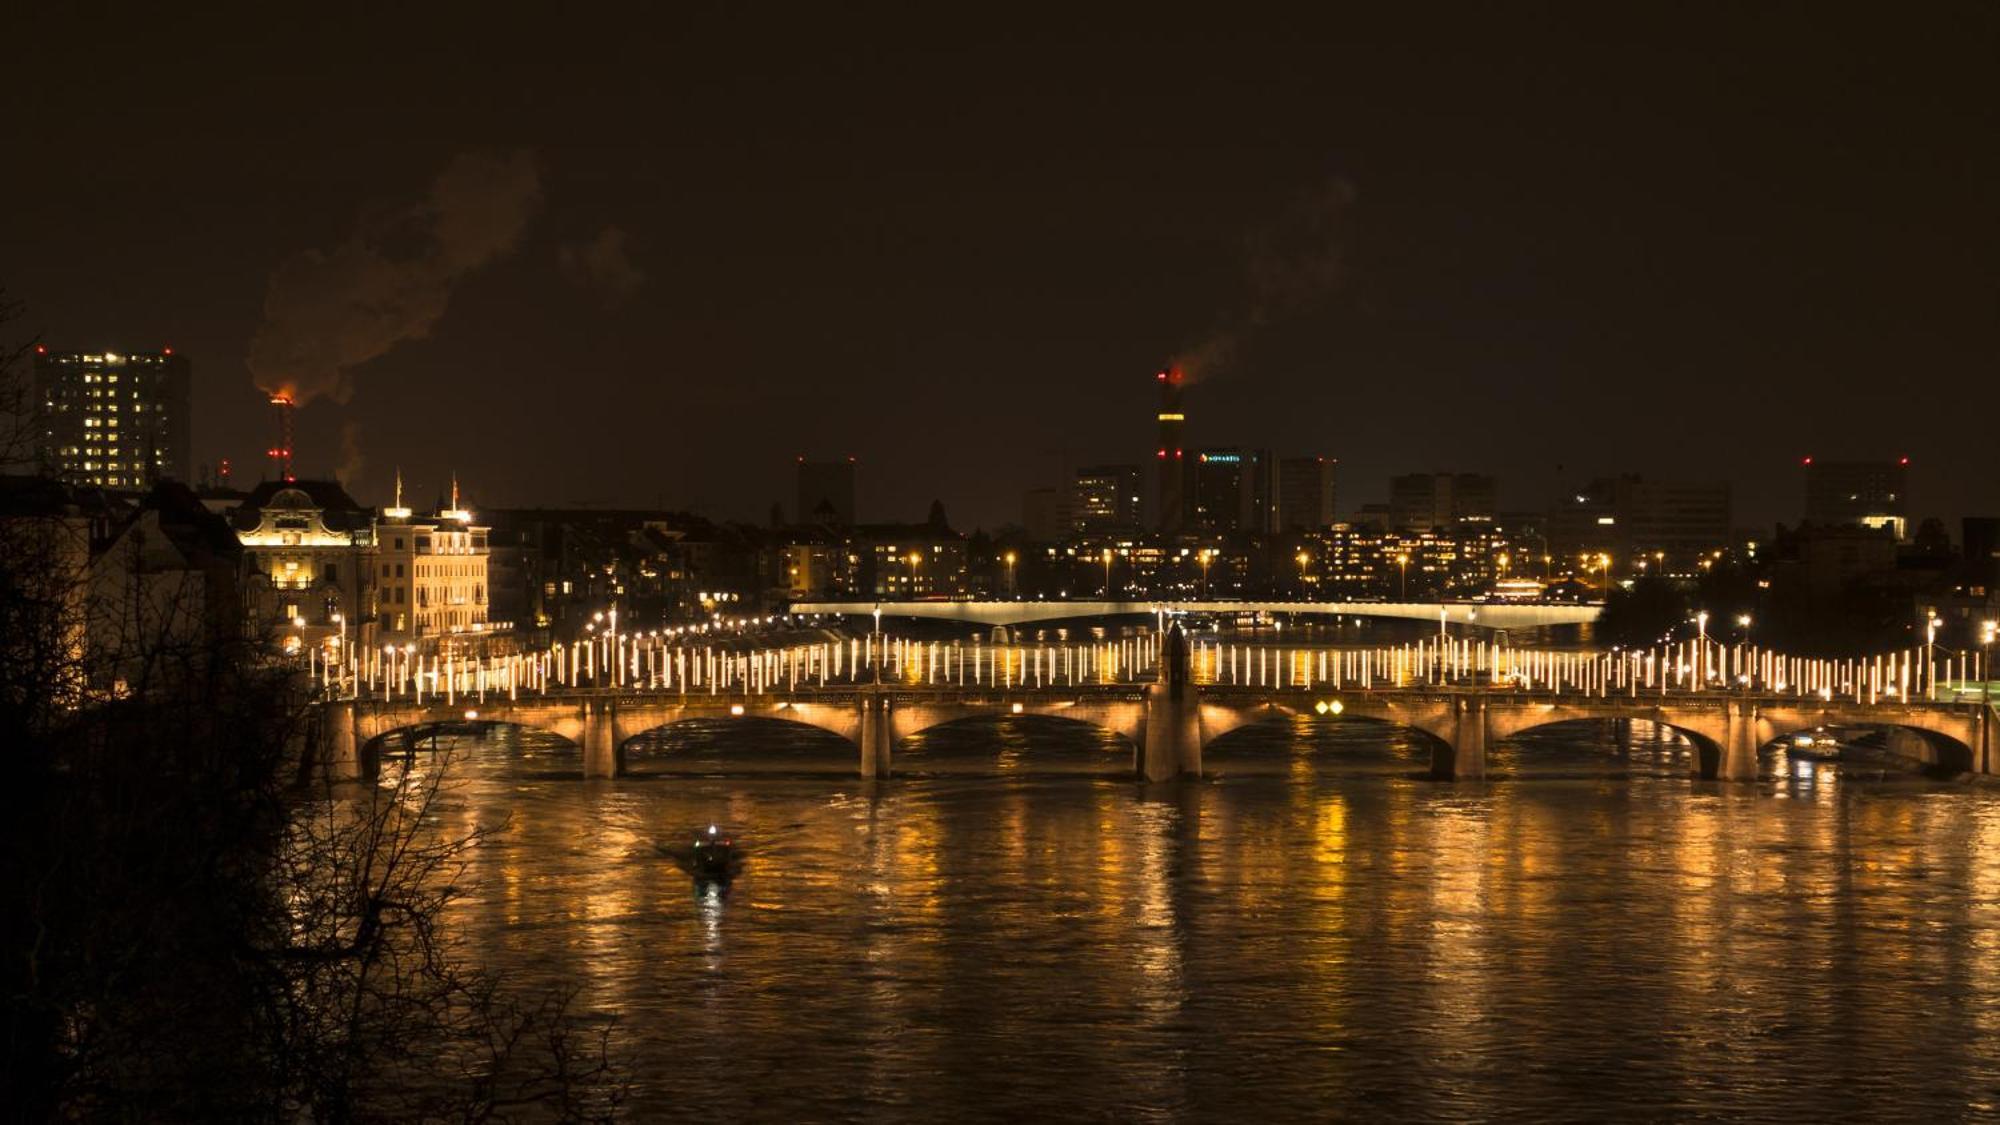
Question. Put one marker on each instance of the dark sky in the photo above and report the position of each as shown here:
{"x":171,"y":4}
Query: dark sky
{"x":1698,"y":247}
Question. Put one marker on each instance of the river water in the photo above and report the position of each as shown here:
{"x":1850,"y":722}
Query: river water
{"x":1012,"y":928}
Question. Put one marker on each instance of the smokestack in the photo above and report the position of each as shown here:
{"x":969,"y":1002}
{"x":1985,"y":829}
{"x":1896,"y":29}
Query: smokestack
{"x":1173,"y":476}
{"x":281,"y":453}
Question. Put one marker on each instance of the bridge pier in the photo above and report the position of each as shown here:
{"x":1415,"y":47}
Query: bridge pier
{"x":340,"y":749}
{"x":600,"y":741}
{"x":1468,"y":740}
{"x":1740,"y":744}
{"x":877,"y":736}
{"x":1172,"y":744}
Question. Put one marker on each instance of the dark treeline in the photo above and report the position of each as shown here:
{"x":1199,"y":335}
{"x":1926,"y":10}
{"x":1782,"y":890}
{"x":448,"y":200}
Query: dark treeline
{"x":196,"y":926}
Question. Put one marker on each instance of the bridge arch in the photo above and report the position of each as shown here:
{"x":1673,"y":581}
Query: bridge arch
{"x":1340,"y":732}
{"x":1934,"y":749}
{"x":1066,"y":736}
{"x":716,"y":739}
{"x":427,"y":734}
{"x":1701,"y":756}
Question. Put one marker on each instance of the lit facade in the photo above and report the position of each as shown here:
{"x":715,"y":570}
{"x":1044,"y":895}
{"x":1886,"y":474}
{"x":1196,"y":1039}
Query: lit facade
{"x":111,"y":419}
{"x":1104,"y":498}
{"x":433,"y":575}
{"x":310,"y":555}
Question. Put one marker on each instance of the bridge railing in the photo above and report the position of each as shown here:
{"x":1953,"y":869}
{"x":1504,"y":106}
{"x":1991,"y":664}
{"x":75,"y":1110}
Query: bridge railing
{"x":652,"y":663}
{"x":1694,"y":666}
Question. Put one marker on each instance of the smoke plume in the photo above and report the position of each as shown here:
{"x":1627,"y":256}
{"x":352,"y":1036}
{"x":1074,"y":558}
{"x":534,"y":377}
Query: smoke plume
{"x":1287,"y":265}
{"x":351,"y":458}
{"x":329,"y":311}
{"x":602,"y":266}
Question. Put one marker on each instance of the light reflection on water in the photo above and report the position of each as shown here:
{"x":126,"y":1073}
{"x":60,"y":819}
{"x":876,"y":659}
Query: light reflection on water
{"x":1316,"y":931}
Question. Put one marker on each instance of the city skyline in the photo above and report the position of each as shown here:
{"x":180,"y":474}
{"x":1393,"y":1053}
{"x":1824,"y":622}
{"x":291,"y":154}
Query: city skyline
{"x":1693,"y":275}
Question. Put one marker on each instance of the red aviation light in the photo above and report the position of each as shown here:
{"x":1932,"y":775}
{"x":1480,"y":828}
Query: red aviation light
{"x":1163,"y":454}
{"x":1903,"y":461}
{"x":43,"y":349}
{"x":166,"y":351}
{"x":1177,"y":454}
{"x":1162,"y":376}
{"x":1807,"y":461}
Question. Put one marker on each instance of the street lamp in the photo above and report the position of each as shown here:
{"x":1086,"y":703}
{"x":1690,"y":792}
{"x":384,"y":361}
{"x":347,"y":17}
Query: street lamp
{"x":1303,"y":560}
{"x":1107,"y":574}
{"x":1403,"y":563}
{"x":1604,"y":564}
{"x":1701,"y":651}
{"x":1987,"y":631}
{"x":1930,"y":654}
{"x":1206,"y":555}
{"x":1009,"y":559}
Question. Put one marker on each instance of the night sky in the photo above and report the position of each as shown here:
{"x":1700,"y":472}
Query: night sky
{"x":649,"y":260}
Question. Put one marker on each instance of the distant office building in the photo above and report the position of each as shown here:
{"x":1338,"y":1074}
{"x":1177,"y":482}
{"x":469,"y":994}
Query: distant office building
{"x":1044,"y":514}
{"x":1219,"y":483}
{"x":826,"y":492}
{"x":1438,"y":501}
{"x":112,"y":419}
{"x":1642,"y":524}
{"x":816,"y":563}
{"x":1867,"y":493}
{"x":1168,"y":458}
{"x":1104,"y":498}
{"x":1260,"y":507}
{"x":1980,"y":536}
{"x":909,"y":561}
{"x":1306,"y":493}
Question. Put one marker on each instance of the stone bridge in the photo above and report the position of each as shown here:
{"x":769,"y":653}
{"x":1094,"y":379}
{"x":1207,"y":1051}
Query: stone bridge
{"x":1169,"y":730}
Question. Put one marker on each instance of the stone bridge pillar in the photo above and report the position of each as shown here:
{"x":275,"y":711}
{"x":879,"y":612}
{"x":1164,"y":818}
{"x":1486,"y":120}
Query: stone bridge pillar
{"x":1740,"y":744}
{"x":340,"y":745}
{"x":878,"y":735}
{"x":600,"y":740}
{"x":1170,"y":745}
{"x":1982,"y":755}
{"x":1468,"y":739}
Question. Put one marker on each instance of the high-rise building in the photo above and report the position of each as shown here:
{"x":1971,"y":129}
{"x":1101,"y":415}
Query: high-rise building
{"x":1219,"y":483}
{"x":1665,"y":525}
{"x":826,"y":492}
{"x":1173,"y":468}
{"x":1260,"y":507}
{"x":1868,"y":493}
{"x":1437,"y":501}
{"x":1306,"y":488}
{"x":1104,"y":498}
{"x":1043,"y":514}
{"x":112,"y":419}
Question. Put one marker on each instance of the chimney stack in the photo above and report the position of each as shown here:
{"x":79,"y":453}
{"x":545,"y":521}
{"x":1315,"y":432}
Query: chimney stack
{"x":281,"y":453}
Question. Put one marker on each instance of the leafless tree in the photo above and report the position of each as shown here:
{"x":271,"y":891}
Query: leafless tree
{"x":191,"y":934}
